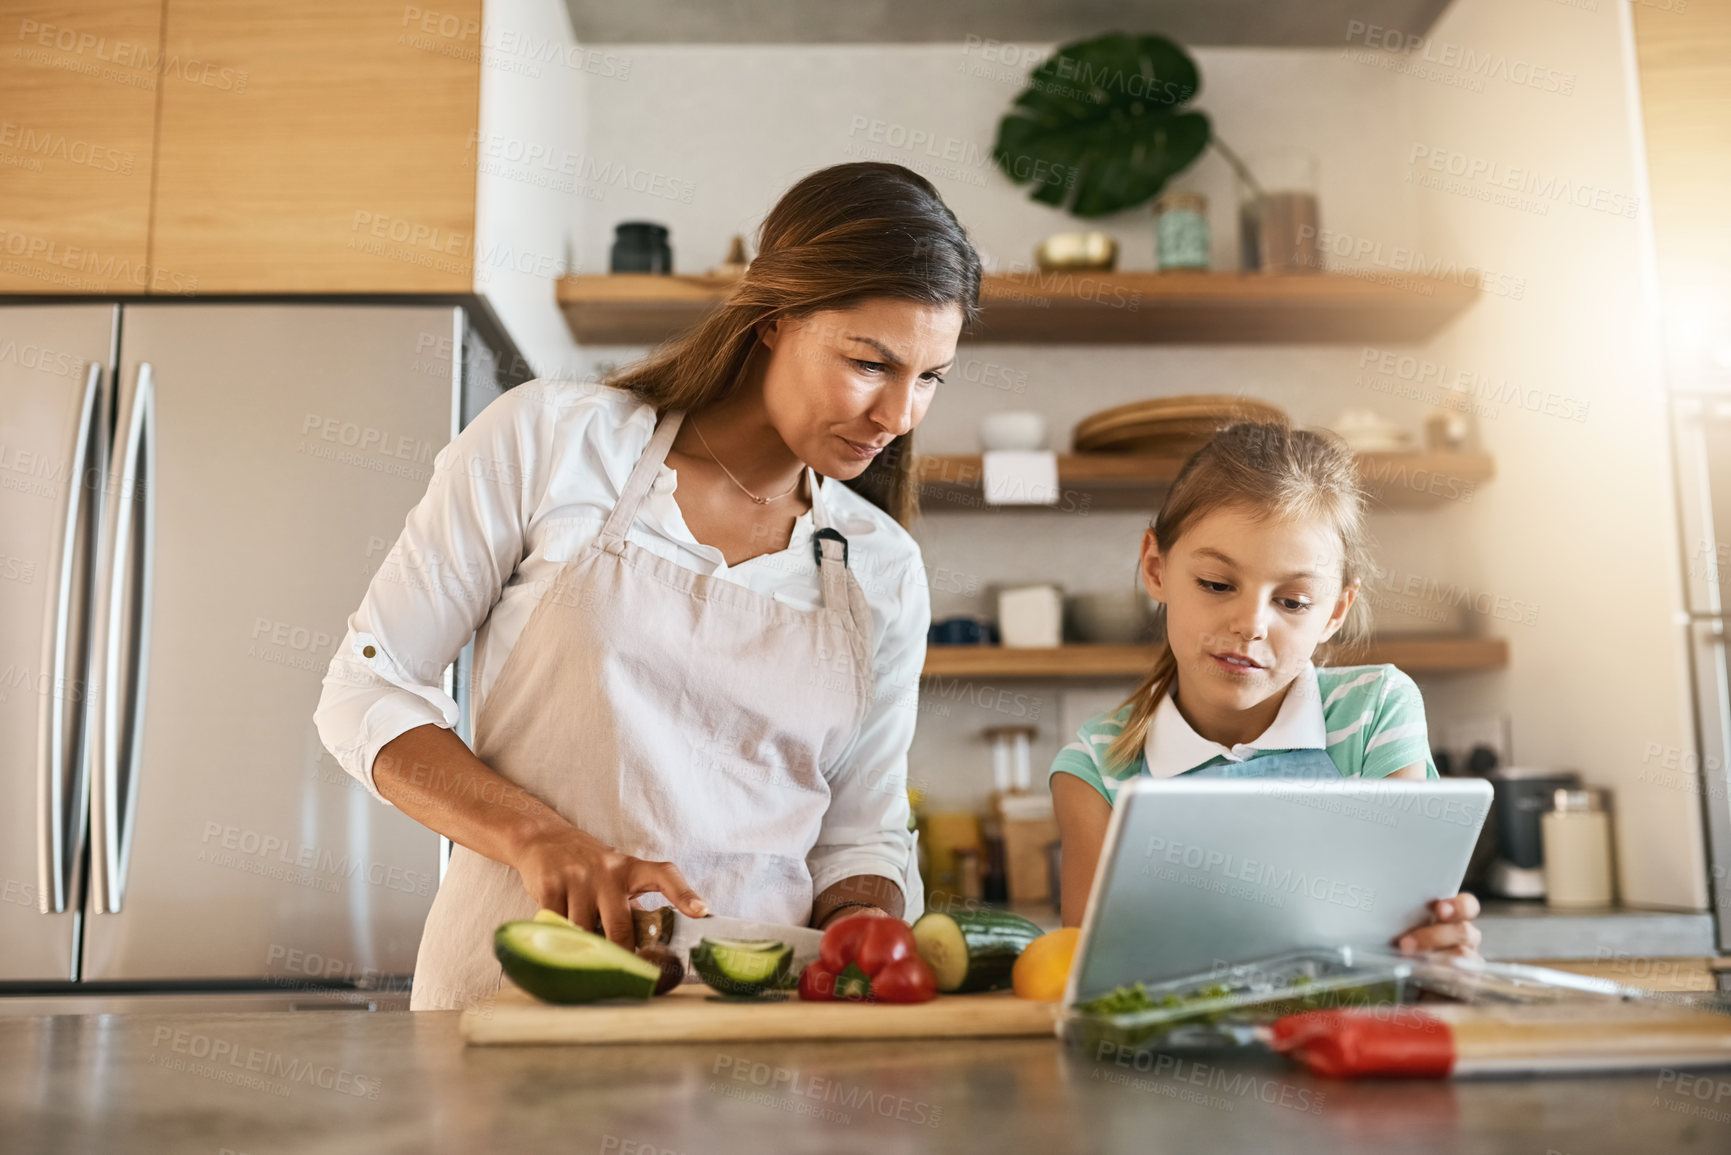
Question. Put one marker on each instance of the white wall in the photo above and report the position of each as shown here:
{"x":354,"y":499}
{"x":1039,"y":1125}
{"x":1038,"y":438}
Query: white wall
{"x":1581,"y":516}
{"x":1577,"y":526}
{"x":526,"y":203}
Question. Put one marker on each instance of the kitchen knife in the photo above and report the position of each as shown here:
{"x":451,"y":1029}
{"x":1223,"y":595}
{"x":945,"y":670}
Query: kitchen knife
{"x":666,"y":926}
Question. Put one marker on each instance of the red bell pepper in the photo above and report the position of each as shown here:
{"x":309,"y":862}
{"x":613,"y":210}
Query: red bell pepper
{"x":870,"y":959}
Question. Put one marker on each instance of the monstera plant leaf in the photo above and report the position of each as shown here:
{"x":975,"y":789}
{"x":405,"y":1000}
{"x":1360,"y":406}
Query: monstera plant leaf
{"x":1100,"y":124}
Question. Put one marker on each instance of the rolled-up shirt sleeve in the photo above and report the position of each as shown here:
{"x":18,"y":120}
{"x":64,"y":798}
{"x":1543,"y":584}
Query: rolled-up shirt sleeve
{"x":459,"y":545}
{"x":865,"y":830}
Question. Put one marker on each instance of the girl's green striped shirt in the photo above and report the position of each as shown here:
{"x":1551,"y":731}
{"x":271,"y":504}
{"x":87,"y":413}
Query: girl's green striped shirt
{"x":1372,"y":724}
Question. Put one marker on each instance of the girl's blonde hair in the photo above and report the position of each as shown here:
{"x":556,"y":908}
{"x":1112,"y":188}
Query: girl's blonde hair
{"x":1280,"y":473}
{"x":841,"y":236}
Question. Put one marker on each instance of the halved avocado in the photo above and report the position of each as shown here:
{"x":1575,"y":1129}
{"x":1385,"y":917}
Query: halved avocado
{"x":562,"y":964}
{"x":736,"y":967}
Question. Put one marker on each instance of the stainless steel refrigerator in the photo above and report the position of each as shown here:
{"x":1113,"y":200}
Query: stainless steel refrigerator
{"x":1702,"y":421}
{"x":193,"y":498}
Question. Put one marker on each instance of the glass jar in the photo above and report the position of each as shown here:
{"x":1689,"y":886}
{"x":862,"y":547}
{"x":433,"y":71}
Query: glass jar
{"x":1278,"y":217}
{"x":1181,"y":238}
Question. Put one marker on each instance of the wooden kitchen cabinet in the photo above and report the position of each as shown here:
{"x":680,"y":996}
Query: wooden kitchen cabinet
{"x":237,"y":146}
{"x":77,"y":112}
{"x":321,"y":146}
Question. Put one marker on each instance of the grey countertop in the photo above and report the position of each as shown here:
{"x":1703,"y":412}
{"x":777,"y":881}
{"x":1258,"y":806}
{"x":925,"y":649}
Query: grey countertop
{"x":345,"y":1081}
{"x":1531,"y":930}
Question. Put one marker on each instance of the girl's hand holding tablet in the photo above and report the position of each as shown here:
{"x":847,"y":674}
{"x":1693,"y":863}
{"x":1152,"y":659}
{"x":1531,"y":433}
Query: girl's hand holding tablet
{"x":1450,"y":931}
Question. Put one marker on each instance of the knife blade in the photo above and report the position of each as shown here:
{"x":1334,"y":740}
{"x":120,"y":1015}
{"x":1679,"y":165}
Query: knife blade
{"x":666,"y":926}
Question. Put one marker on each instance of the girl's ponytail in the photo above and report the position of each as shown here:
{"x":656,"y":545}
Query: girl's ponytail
{"x":1145,"y":700}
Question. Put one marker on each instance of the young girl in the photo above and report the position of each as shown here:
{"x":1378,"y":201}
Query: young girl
{"x":1255,"y":558}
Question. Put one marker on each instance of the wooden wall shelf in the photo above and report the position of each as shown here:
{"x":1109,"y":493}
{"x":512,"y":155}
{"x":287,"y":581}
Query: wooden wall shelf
{"x":1416,"y":654}
{"x":1314,"y":24}
{"x":1109,"y":481}
{"x":1080,"y":308}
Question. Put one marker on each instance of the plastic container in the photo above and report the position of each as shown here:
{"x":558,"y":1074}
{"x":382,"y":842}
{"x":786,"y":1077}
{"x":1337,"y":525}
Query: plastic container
{"x":1220,"y":1007}
{"x":1480,"y":983}
{"x":1232,"y":1005}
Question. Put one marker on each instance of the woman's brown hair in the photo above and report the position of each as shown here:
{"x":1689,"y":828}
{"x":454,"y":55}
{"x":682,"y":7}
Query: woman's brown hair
{"x":842,"y":235}
{"x":1280,"y":473}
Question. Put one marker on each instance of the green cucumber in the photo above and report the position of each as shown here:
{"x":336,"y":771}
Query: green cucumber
{"x":563,"y":964}
{"x":734,"y":967}
{"x":972,"y":950}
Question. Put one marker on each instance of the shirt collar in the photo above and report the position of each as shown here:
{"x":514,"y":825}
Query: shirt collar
{"x":1298,"y":726}
{"x":661,"y":506}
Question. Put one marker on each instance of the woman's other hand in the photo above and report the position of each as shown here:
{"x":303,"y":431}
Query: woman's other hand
{"x":566,"y":870}
{"x":1450,"y":930}
{"x":845,"y":912}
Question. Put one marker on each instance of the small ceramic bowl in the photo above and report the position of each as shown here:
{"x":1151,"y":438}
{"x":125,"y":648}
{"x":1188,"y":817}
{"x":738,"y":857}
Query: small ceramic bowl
{"x":1013,"y":429}
{"x":962,"y":630}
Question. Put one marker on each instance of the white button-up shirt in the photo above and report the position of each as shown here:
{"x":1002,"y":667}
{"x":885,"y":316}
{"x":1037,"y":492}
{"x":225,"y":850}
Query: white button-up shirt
{"x":516,"y":495}
{"x":1173,"y":746}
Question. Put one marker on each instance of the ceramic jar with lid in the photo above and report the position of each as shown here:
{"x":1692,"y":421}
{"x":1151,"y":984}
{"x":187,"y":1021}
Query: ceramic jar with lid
{"x":1577,"y":844}
{"x":640,"y":247}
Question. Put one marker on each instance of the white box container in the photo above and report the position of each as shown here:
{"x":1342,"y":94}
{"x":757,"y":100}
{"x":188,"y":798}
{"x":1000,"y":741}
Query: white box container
{"x":1031,"y":616}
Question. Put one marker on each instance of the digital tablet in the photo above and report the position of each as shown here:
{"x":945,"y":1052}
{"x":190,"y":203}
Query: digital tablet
{"x":1199,"y":874}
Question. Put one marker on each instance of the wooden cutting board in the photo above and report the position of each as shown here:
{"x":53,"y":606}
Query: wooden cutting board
{"x":688,"y":1013}
{"x":1575,"y":1036}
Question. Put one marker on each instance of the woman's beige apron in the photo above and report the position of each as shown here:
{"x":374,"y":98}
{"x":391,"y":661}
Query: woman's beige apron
{"x":672,"y":715}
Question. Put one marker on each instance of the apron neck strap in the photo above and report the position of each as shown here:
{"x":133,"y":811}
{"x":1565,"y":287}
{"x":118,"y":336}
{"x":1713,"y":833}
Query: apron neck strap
{"x":642,"y":477}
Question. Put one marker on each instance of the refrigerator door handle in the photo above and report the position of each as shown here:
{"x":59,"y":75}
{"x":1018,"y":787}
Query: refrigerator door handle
{"x":1702,"y":559}
{"x":125,"y":565}
{"x":54,"y":791}
{"x":1713,"y":722}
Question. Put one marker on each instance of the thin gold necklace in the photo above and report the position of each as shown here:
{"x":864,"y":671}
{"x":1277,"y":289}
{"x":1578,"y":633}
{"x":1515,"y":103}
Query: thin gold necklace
{"x":735,"y":480}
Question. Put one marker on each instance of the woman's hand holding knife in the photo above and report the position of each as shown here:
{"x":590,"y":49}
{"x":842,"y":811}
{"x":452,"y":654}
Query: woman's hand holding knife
{"x":568,"y":870}
{"x":432,"y":776}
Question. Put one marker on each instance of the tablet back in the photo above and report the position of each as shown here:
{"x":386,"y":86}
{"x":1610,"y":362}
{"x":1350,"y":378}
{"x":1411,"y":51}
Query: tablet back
{"x":1196,"y":874}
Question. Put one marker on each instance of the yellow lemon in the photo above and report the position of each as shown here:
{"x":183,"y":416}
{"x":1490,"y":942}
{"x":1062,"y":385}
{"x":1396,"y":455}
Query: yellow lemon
{"x":1043,"y":967}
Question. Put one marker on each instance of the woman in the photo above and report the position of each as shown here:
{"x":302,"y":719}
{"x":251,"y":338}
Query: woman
{"x":696,"y":664}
